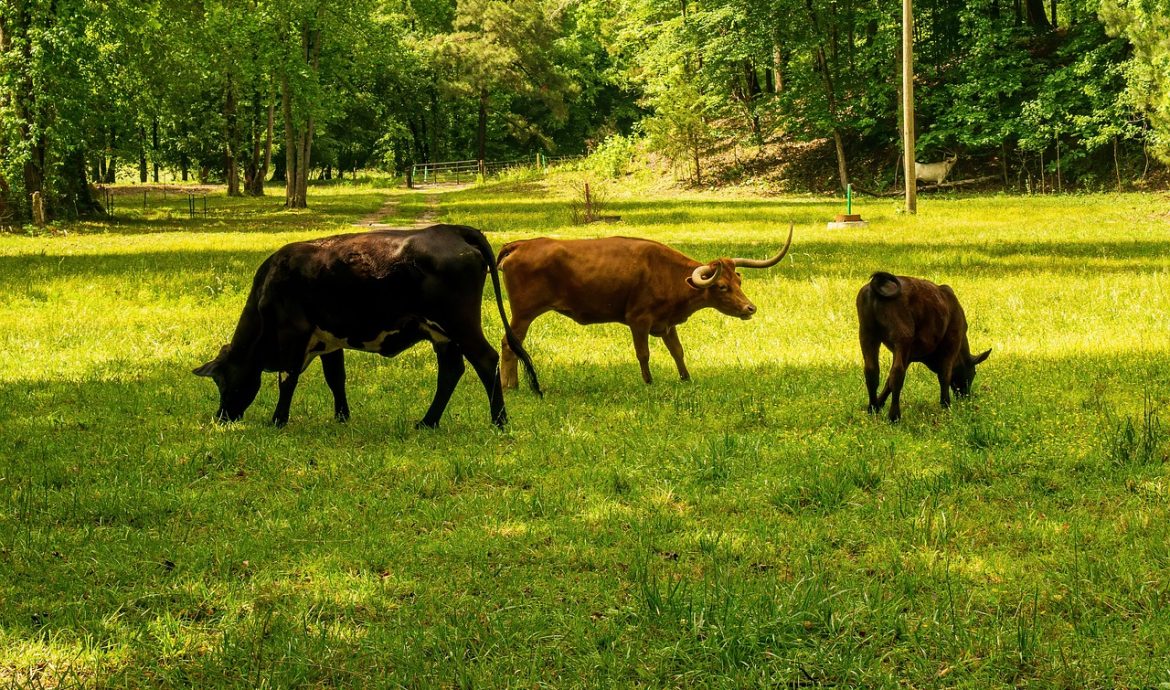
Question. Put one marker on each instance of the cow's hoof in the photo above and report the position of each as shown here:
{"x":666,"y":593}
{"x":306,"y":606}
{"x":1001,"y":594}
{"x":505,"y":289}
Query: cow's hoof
{"x":341,"y":416}
{"x":279,"y":422}
{"x":874,"y":409}
{"x":424,"y":424}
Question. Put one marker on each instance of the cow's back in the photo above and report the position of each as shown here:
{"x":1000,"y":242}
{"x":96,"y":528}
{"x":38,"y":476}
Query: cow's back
{"x":375,"y":279}
{"x":588,"y":280}
{"x":922,"y":315}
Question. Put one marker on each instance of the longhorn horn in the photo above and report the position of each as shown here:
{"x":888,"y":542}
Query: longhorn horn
{"x":699,"y":280}
{"x":766,"y":263}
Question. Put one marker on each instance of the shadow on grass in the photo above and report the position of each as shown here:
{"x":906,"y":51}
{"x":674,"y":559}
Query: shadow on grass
{"x":21,"y":273}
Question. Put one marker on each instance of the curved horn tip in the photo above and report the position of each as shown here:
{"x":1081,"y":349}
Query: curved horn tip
{"x":700,"y":280}
{"x":768,"y":263}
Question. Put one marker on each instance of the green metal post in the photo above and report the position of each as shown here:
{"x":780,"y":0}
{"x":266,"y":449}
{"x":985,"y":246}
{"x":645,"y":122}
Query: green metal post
{"x":849,"y":199}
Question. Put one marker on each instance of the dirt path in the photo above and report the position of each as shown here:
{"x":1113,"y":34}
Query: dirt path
{"x":429,"y":215}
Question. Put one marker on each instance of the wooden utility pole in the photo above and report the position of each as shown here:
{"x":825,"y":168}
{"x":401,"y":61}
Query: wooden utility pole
{"x":908,"y":106}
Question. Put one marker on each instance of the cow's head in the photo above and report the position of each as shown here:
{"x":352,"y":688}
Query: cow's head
{"x":963,"y":375}
{"x":721,"y":281}
{"x":238,"y":384}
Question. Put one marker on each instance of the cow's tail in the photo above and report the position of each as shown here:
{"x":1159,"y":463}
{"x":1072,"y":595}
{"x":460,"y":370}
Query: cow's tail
{"x":885,"y":285}
{"x":476,"y":239}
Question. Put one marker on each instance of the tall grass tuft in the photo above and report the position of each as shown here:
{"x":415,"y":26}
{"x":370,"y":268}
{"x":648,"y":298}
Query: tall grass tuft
{"x":1135,"y":441}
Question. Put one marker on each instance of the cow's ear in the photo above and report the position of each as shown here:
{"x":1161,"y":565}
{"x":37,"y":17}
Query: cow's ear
{"x":981,"y":357}
{"x":207,"y":370}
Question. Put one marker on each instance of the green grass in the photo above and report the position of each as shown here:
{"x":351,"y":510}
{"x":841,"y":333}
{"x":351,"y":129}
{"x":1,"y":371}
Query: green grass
{"x":753,"y":527}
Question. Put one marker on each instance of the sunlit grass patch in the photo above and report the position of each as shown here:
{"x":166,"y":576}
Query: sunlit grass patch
{"x":753,"y":527}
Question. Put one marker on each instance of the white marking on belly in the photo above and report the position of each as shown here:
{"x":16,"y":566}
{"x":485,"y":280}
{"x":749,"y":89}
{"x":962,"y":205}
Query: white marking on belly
{"x":320,"y":337}
{"x":434,"y":332}
{"x":375,"y":345}
{"x":330,"y":341}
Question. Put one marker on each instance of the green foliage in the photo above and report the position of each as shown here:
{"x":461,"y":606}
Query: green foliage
{"x":613,"y":156}
{"x":1146,"y":25}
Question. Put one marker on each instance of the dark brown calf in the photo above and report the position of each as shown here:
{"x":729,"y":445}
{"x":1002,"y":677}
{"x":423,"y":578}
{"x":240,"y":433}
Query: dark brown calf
{"x":919,"y":322}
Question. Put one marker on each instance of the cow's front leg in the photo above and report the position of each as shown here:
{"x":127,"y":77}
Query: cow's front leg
{"x":642,"y":349}
{"x":451,"y":369}
{"x":288,"y":385}
{"x":944,"y":384}
{"x":333,"y":364}
{"x":676,"y":351}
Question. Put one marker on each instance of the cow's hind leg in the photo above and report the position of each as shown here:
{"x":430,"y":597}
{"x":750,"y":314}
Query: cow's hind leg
{"x":894,"y":384}
{"x":487,"y":365}
{"x":870,"y":352}
{"x":333,"y":364}
{"x":509,"y":376}
{"x":676,"y":351}
{"x":451,"y":369}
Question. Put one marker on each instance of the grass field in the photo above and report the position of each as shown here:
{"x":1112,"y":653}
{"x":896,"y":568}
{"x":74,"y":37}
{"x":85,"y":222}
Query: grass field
{"x":754,"y":527}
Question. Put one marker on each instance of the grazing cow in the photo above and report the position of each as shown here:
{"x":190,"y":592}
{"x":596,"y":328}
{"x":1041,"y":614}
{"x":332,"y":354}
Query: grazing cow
{"x":919,"y":322}
{"x":643,"y":284}
{"x":382,"y":292}
{"x":935,"y":173}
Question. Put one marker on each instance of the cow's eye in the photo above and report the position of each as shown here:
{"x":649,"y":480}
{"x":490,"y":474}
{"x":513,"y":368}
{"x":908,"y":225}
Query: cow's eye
{"x":722,"y":288}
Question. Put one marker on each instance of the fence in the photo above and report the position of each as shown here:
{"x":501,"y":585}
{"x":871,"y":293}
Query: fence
{"x":195,"y":201}
{"x":467,"y":171}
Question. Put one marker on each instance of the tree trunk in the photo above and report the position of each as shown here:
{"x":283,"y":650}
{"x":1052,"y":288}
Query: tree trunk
{"x":154,"y":147}
{"x":258,"y":188}
{"x":111,"y":172}
{"x":76,"y":199}
{"x":291,"y":146}
{"x":481,"y":127}
{"x":1003,"y":162}
{"x":232,"y":139}
{"x":1037,"y":18}
{"x":254,"y":174}
{"x":696,"y":153}
{"x":299,"y":141}
{"x":143,"y":177}
{"x":838,"y":143}
{"x":1116,"y":165}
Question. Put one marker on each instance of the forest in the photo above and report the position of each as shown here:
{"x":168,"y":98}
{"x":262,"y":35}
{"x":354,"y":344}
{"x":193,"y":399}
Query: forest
{"x":1073,"y":94}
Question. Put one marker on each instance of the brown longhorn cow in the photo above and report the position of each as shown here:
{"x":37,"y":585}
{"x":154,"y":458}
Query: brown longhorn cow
{"x":919,"y":322}
{"x":643,"y":284}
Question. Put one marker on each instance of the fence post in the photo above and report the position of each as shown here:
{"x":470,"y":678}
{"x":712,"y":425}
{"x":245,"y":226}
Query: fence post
{"x":38,"y":209}
{"x":482,"y":169}
{"x":144,"y":200}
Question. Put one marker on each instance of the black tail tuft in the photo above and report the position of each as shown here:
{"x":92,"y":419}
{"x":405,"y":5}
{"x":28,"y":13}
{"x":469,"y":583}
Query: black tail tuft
{"x":476,"y":239}
{"x":885,"y":285}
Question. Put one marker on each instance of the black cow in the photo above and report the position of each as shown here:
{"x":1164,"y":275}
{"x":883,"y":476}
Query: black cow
{"x":381,"y":291}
